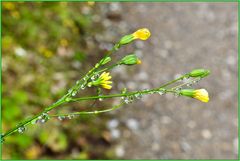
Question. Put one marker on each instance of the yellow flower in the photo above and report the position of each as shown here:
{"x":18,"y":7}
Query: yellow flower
{"x":201,"y":94}
{"x":103,"y":81}
{"x":142,"y":34}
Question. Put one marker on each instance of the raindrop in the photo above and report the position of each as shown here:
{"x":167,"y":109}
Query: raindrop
{"x":126,"y":100}
{"x":43,"y":118}
{"x":70,"y":116}
{"x":89,"y":85}
{"x":77,"y":82}
{"x":21,"y":129}
{"x":189,"y":84}
{"x":177,"y":94}
{"x":93,"y":77}
{"x":61,"y":118}
{"x":34,"y":121}
{"x":178,"y":89}
{"x":82,"y":86}
{"x":138,"y":96}
{"x":74,"y":93}
{"x":100,"y":99}
{"x":70,"y":91}
{"x":161,"y":91}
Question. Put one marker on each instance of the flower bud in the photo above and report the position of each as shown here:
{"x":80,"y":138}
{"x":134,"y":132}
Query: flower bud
{"x":130,"y":60}
{"x":142,"y":34}
{"x":199,"y":73}
{"x":126,"y":39}
{"x":187,"y":92}
{"x":199,"y":94}
{"x":105,"y":60}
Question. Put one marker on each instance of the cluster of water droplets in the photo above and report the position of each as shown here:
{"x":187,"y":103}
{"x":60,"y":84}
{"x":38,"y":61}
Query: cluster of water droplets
{"x":21,"y":129}
{"x":41,"y":119}
{"x":161,"y":91}
{"x":177,"y":91}
{"x":70,"y":116}
{"x":189,"y":82}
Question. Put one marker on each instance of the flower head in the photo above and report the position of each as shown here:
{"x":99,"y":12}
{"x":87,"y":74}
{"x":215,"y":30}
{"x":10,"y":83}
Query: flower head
{"x":142,"y":34}
{"x":103,"y":81}
{"x":200,"y":94}
{"x":199,"y":73}
{"x":131,"y":59}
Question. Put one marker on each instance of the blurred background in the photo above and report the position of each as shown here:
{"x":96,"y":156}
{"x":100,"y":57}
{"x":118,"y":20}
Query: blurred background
{"x":47,"y":46}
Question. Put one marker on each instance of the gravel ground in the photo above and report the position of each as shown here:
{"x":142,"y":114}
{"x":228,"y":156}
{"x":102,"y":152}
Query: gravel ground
{"x":185,"y":36}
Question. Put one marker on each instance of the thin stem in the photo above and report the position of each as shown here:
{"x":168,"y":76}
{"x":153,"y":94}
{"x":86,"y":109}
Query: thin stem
{"x":61,"y":100}
{"x":90,"y":112}
{"x":171,"y":90}
{"x":129,"y":93}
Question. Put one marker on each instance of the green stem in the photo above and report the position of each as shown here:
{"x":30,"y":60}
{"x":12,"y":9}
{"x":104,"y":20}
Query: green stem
{"x":90,"y":112}
{"x":60,"y":101}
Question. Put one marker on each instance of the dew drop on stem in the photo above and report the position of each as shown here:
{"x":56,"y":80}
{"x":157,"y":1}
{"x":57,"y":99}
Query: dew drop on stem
{"x":74,"y":93}
{"x":138,"y":95}
{"x":161,"y":92}
{"x":21,"y":129}
{"x":61,"y":118}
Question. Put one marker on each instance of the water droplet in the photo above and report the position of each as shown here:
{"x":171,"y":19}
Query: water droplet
{"x":138,"y":96}
{"x":128,"y":99}
{"x":82,"y":86}
{"x":161,"y":92}
{"x":178,"y":89}
{"x":74,"y":93}
{"x":61,"y":118}
{"x":77,"y":82}
{"x":70,"y":91}
{"x":95,"y":112}
{"x":93,"y":77}
{"x":21,"y":129}
{"x":34,"y":121}
{"x":89,"y":85}
{"x":177,"y":94}
{"x":100,"y":99}
{"x":68,"y":99}
{"x":189,"y":84}
{"x":70,"y":116}
{"x":43,"y":118}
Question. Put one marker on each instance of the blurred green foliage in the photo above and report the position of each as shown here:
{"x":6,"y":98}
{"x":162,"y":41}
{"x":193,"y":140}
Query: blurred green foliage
{"x":44,"y":50}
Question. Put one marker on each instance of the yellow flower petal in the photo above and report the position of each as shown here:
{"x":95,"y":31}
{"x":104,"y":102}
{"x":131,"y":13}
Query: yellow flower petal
{"x":142,"y":34}
{"x":201,"y":94}
{"x":106,"y":86}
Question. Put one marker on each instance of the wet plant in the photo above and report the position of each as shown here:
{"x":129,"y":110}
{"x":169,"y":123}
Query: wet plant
{"x":99,"y":77}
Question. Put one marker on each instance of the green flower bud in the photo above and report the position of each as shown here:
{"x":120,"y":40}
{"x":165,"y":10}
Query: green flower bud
{"x":199,"y":73}
{"x":126,"y":39}
{"x":103,"y":61}
{"x":130,"y":60}
{"x":187,"y":92}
